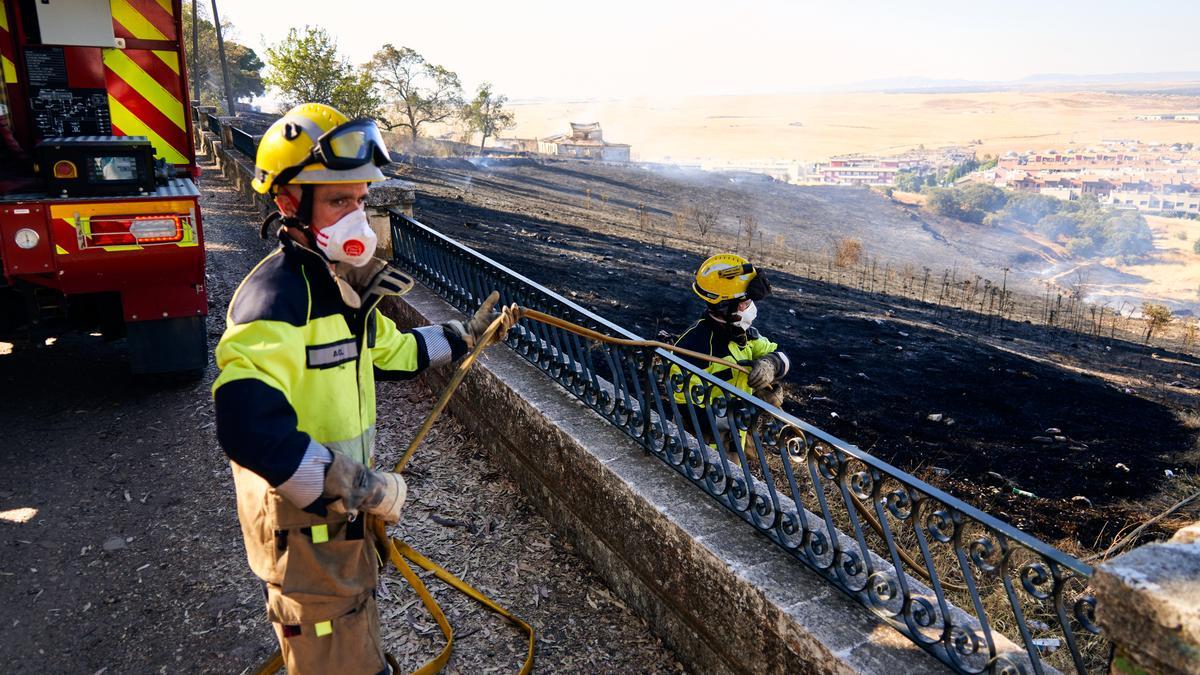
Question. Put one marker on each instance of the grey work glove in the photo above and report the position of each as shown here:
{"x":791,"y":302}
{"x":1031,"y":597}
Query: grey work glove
{"x":381,"y":493}
{"x":473,"y":329}
{"x":764,"y":371}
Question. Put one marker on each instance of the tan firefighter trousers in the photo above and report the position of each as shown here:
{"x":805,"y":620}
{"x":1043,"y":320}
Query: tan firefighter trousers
{"x":320,"y":575}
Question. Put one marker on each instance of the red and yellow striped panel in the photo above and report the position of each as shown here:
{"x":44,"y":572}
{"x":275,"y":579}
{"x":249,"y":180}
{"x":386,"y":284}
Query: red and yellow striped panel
{"x":143,"y":19}
{"x":7,"y":66}
{"x":144,"y":99}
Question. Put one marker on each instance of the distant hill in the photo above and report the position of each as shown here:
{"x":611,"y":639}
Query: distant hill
{"x":1036,"y":81}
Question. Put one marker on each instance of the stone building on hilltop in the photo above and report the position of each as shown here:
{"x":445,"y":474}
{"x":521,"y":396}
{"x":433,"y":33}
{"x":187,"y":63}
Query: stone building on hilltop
{"x":585,"y":141}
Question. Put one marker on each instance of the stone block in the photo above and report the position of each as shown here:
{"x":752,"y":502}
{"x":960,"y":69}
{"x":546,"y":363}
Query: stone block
{"x":1148,"y":604}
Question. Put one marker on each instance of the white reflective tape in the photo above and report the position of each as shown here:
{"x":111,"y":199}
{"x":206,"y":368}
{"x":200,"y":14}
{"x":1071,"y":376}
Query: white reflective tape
{"x":787,"y":364}
{"x":332,"y":354}
{"x":437,"y":347}
{"x":308,"y":481}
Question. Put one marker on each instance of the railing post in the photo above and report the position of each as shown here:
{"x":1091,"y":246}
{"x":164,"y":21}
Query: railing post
{"x":384,"y":196}
{"x":1148,"y":604}
{"x":227,"y":130}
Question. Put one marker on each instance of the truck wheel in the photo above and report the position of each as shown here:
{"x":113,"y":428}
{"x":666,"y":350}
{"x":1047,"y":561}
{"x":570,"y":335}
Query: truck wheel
{"x":168,"y":346}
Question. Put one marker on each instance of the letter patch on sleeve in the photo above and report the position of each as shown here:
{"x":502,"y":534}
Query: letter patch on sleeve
{"x":333,"y":354}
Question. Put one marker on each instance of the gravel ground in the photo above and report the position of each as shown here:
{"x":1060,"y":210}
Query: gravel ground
{"x":133,"y":561}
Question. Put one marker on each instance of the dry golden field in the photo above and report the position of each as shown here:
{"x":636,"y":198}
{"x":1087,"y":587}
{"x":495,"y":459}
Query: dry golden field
{"x":811,"y":127}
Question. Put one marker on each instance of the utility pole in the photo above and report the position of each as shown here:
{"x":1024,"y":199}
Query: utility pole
{"x":195,"y":54}
{"x":224,"y":63}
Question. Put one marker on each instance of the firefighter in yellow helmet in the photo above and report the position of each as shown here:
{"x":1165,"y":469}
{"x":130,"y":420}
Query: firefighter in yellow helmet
{"x":295,"y":399}
{"x":730,"y":286}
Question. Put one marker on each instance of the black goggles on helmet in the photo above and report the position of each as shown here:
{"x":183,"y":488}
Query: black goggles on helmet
{"x":351,"y":145}
{"x":344,"y":147}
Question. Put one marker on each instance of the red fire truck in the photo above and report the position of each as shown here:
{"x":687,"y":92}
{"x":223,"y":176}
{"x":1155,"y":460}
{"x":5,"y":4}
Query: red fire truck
{"x":99,"y":221}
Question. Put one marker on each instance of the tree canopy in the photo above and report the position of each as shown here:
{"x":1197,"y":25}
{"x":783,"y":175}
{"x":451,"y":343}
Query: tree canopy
{"x":307,"y":68}
{"x":486,"y":114}
{"x":414,"y":91}
{"x":1084,"y":226}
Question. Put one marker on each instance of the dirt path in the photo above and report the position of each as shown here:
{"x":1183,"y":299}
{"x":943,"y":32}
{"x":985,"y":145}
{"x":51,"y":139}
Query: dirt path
{"x":133,"y":561}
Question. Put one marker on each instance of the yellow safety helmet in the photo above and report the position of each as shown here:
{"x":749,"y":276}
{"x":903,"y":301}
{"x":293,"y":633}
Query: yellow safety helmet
{"x":315,"y":144}
{"x":725,"y":276}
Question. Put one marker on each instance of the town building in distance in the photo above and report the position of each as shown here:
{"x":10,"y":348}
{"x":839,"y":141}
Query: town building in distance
{"x":1148,"y":177}
{"x":881,"y":170}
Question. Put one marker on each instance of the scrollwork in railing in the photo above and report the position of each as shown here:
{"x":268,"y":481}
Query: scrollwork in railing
{"x":977,"y":593}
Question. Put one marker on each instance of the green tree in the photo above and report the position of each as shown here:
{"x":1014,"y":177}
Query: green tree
{"x":959,"y":170}
{"x":307,"y":68}
{"x":1058,"y":225}
{"x":1196,"y":246}
{"x":486,"y":114}
{"x":356,"y":95}
{"x":1030,"y":207}
{"x":1157,"y":317}
{"x":1100,"y":232}
{"x":245,"y":66}
{"x":971,"y":203}
{"x":1125,"y":233}
{"x":417,"y":91}
{"x":943,"y":202}
{"x":979,"y":199}
{"x":909,"y":181}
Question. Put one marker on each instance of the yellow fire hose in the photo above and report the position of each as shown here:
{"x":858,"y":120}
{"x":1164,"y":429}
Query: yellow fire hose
{"x":401,"y":554}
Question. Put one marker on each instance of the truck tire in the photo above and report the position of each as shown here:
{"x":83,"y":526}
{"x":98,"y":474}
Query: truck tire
{"x":168,"y":346}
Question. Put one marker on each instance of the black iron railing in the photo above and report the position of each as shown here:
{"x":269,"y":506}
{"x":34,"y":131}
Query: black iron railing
{"x":244,"y":142}
{"x":977,"y":593}
{"x":213,"y":123}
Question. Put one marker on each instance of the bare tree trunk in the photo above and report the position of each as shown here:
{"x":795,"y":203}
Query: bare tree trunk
{"x":224,"y":62}
{"x":195,"y":55}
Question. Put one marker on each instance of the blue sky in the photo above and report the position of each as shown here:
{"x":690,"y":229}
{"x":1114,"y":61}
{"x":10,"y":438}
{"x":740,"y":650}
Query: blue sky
{"x":624,"y":48}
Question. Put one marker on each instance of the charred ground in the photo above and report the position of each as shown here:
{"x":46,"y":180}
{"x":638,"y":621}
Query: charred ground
{"x":871,"y":368}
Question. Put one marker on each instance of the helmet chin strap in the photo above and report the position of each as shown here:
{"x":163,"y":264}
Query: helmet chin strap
{"x":304,"y":210}
{"x":302,"y":220}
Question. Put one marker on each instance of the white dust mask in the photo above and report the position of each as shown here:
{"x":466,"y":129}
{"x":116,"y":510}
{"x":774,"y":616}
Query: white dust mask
{"x":349,"y":240}
{"x":747,"y":316}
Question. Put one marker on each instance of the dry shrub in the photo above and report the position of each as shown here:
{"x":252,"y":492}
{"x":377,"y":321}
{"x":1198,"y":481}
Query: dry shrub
{"x":847,"y":252}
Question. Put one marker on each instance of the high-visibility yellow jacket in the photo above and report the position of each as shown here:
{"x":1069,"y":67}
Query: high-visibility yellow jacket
{"x":299,"y":358}
{"x":709,"y":336}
